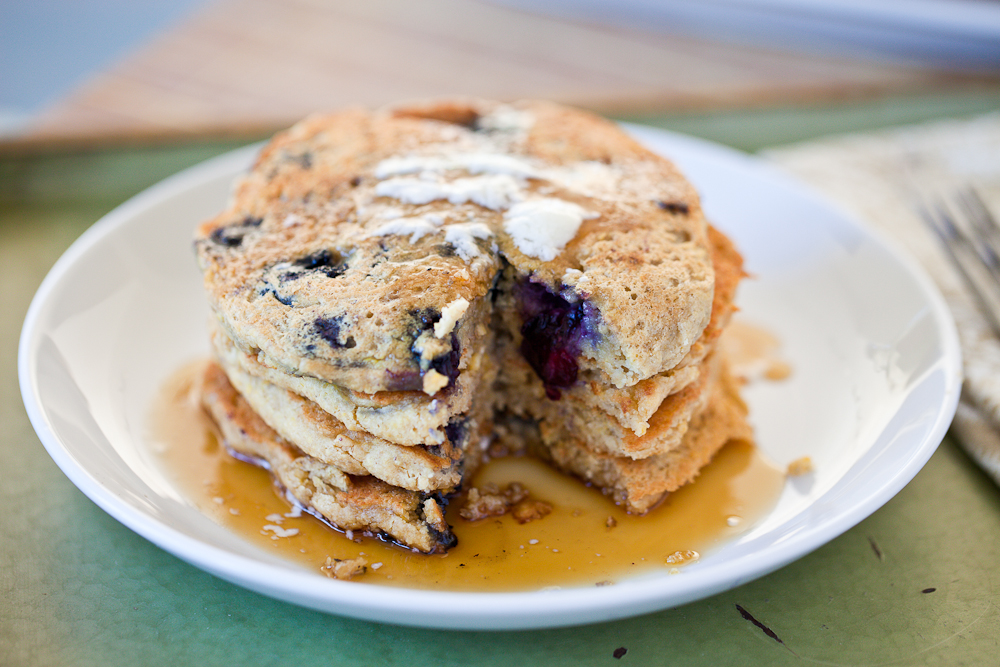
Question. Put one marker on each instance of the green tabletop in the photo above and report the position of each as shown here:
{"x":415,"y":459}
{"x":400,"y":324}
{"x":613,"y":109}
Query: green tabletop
{"x":914,"y":584}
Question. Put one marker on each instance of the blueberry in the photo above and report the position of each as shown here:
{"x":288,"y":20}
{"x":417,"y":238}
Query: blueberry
{"x":457,"y":431}
{"x":406,"y":380}
{"x":494,"y":290}
{"x":231,"y":236}
{"x":305,"y":160}
{"x":286,"y":300}
{"x":551,"y":333}
{"x":445,"y":250}
{"x":328,"y":263}
{"x":446,"y":539}
{"x":423,"y":319}
{"x":329,"y":329}
{"x":447,"y":364}
{"x":224,"y":236}
{"x":674,"y":206}
{"x":315,"y":260}
{"x":560,"y":370}
{"x":324,"y":261}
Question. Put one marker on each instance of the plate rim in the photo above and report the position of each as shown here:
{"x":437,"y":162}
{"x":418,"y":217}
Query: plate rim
{"x":504,"y":610}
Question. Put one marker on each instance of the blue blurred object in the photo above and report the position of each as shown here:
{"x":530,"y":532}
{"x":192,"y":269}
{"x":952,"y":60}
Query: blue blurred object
{"x":47,"y":47}
{"x":947,"y":34}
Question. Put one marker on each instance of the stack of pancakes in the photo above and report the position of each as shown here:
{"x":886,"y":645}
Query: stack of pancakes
{"x":396,"y":291}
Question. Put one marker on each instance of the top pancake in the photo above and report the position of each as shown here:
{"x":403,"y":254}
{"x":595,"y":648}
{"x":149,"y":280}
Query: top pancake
{"x":362,"y":247}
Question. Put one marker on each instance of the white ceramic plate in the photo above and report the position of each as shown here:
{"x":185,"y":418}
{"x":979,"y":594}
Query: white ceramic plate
{"x":875,"y":383}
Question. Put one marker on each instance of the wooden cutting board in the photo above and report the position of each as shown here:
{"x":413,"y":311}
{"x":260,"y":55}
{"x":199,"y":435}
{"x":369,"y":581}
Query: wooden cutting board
{"x":247,"y":67}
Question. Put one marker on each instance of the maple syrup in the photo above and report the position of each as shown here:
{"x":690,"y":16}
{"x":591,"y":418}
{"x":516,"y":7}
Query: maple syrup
{"x":586,"y":540}
{"x":753,"y":352}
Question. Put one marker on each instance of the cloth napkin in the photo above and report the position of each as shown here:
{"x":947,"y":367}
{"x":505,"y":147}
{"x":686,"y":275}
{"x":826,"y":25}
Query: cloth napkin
{"x":879,"y":177}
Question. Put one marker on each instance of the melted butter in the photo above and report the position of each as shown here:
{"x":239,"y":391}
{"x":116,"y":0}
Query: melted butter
{"x":586,"y":540}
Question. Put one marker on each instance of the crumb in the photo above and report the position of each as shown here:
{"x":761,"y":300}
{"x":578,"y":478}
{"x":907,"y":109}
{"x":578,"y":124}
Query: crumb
{"x":480,"y":505}
{"x":491,"y":501}
{"x":335,"y":568}
{"x":530,"y":510}
{"x":434,"y":516}
{"x":778,"y":370}
{"x":279,"y":531}
{"x":681,"y":557}
{"x":802,"y":466}
{"x":611,"y":522}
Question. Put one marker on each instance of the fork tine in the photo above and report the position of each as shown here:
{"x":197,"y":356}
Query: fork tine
{"x":976,"y":257}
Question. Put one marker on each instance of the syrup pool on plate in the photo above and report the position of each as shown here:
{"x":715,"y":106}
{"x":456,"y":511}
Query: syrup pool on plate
{"x":586,"y":540}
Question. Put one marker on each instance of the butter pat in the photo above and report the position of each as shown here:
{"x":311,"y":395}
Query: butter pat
{"x":450,"y":315}
{"x":473,"y":163}
{"x":541,"y":228}
{"x":463,"y":237}
{"x":492,"y":192}
{"x":415,"y":228}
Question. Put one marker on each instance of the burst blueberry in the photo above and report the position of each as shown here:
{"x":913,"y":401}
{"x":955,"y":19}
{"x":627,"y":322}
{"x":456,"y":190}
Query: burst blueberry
{"x":323,"y":261}
{"x":231,"y":236}
{"x":551,"y":333}
{"x":447,"y":364}
{"x":329,"y":329}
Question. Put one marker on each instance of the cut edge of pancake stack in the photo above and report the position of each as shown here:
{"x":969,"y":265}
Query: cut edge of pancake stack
{"x":396,"y":291}
{"x":638,"y":443}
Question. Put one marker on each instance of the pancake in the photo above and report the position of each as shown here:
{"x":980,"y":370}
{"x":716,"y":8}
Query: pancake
{"x":361,"y":247}
{"x":396,"y":292}
{"x":345,"y":501}
{"x":403,"y":417}
{"x":321,"y":436}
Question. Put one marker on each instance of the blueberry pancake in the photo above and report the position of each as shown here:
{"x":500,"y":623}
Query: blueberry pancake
{"x":362,"y":247}
{"x":348,"y":502}
{"x":323,"y":437}
{"x":394,"y":290}
{"x":404,"y":417}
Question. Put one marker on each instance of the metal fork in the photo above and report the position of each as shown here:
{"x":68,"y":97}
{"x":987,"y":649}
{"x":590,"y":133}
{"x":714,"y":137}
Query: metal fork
{"x":970,"y":236}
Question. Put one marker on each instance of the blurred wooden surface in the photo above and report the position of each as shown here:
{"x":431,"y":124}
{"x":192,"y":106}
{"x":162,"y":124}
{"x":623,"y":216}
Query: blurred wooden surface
{"x":246,"y":67}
